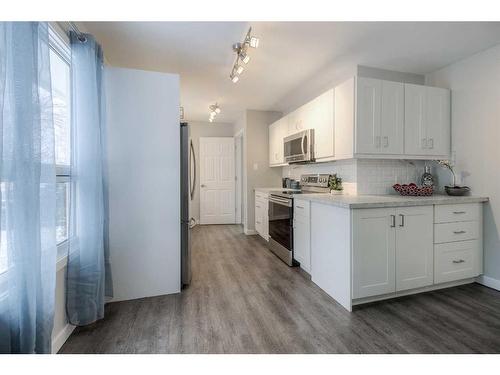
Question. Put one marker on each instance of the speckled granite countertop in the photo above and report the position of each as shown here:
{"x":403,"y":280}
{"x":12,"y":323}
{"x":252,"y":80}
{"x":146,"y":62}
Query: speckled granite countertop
{"x":380,"y":201}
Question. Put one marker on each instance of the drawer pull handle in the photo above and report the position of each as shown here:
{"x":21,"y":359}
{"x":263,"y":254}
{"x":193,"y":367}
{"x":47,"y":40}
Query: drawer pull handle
{"x":393,"y":221}
{"x":459,"y":212}
{"x":459,"y":231}
{"x":459,"y":261}
{"x":402,"y":224}
{"x":300,"y":207}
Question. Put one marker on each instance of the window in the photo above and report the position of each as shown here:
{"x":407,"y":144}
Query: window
{"x":60,"y":64}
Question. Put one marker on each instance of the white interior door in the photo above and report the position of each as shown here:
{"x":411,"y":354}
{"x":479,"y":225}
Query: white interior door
{"x":217,"y":180}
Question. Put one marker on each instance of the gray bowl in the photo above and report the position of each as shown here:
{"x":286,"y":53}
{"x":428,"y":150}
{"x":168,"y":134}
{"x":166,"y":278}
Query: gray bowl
{"x":457,"y":190}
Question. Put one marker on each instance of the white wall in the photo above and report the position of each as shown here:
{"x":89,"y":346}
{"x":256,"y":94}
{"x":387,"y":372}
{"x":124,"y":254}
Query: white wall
{"x":475,"y":118}
{"x":256,"y":171}
{"x":197,"y":130}
{"x":144,"y":191}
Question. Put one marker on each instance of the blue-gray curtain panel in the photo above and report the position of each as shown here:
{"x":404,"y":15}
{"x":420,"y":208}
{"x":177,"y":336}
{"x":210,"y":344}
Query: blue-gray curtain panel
{"x":88,"y":272}
{"x":28,"y":190}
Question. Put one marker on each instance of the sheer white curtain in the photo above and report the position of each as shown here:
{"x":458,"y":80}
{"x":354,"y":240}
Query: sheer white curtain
{"x":88,"y":275}
{"x":28,"y":185}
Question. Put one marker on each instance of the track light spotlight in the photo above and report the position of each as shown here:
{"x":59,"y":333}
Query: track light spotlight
{"x":214,"y":111}
{"x":244,"y":57}
{"x":254,"y":42}
{"x":240,"y":49}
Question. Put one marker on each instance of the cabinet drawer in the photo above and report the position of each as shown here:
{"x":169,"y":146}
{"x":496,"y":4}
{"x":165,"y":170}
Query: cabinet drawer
{"x":459,"y":231}
{"x":261,"y":195}
{"x":455,"y":261}
{"x":301,"y":208}
{"x":457,"y":212}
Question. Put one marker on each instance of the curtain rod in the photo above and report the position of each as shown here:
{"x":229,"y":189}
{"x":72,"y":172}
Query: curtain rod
{"x":81,"y":36}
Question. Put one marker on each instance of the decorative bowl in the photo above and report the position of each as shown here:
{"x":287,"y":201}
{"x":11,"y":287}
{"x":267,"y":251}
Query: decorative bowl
{"x":414,"y":190}
{"x":457,"y":191}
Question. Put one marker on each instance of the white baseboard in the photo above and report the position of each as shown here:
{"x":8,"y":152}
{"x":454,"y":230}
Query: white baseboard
{"x":489,"y":282}
{"x":61,"y":337}
{"x":250,"y":232}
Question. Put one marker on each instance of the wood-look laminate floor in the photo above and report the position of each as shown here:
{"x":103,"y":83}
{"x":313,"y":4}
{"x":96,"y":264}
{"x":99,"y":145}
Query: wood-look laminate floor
{"x":245,"y":300}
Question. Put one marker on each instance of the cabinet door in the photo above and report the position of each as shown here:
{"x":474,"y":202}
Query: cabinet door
{"x":344,"y":119}
{"x":438,"y":121}
{"x":415,"y":120}
{"x":414,"y":247}
{"x":265,"y":220}
{"x":277,"y":131}
{"x":273,"y":136}
{"x":373,"y":262}
{"x":392,"y":118}
{"x":318,"y":115}
{"x":368,"y":104}
{"x":258,"y":217}
{"x":301,"y":240}
{"x":295,"y":121}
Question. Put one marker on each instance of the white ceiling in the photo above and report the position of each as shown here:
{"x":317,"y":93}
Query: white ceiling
{"x":291,"y":55}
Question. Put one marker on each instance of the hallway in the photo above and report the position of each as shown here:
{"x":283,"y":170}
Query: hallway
{"x":243,"y":299}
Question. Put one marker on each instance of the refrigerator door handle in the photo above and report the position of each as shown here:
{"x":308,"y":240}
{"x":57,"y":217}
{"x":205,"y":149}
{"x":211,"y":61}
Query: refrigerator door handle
{"x":193,"y":182}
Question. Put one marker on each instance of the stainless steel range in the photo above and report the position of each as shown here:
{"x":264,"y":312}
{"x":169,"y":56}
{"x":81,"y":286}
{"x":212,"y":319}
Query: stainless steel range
{"x":281,"y":215}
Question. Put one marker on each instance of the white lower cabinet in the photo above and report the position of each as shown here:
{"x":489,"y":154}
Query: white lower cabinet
{"x":414,"y":247}
{"x":302,"y":234}
{"x":261,"y":214}
{"x":392,"y":250}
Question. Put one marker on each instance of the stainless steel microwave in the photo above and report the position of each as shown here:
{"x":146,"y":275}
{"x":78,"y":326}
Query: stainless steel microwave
{"x":299,"y":147}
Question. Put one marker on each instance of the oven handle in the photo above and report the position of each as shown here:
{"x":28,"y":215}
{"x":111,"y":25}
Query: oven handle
{"x":302,"y":142}
{"x":281,"y":201}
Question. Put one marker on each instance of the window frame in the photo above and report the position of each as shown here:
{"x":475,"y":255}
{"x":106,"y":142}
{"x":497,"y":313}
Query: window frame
{"x":59,"y":43}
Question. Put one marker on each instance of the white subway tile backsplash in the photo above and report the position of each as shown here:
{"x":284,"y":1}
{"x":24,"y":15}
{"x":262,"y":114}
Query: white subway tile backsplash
{"x":364,"y":176}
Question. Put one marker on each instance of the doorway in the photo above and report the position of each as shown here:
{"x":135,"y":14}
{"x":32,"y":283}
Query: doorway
{"x":217,"y":180}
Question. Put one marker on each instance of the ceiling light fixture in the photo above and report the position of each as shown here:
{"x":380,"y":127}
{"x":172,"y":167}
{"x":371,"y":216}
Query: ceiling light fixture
{"x":242,"y":54}
{"x":214,"y":111}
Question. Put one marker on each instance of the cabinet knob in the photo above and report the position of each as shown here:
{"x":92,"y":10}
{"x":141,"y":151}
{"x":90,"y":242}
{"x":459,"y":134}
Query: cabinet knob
{"x":431,"y":143}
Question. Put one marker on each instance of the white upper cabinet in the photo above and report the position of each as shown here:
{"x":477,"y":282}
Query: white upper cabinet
{"x":392,"y":118}
{"x":427,"y":121}
{"x":379,"y":116}
{"x":318,"y":115}
{"x":368,"y":108}
{"x":277,"y":131}
{"x":438,"y":121}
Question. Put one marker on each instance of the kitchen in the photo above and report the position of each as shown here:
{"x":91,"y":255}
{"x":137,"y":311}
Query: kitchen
{"x":437,"y":240}
{"x":254,"y":191}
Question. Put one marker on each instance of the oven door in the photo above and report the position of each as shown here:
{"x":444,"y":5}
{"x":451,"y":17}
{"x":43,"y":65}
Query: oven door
{"x":299,"y":147}
{"x":281,"y":228}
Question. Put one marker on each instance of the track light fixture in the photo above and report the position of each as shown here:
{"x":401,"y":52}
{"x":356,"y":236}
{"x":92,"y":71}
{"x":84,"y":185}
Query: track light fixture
{"x":214,"y":111}
{"x":241,"y":50}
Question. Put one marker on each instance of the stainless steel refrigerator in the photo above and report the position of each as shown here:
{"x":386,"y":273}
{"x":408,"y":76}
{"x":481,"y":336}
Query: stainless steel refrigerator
{"x":188,"y":180}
